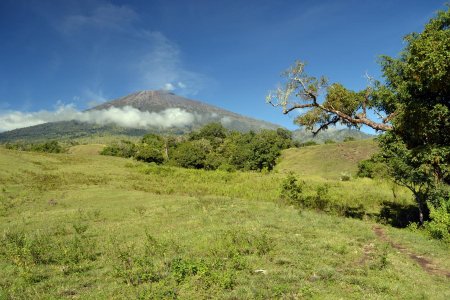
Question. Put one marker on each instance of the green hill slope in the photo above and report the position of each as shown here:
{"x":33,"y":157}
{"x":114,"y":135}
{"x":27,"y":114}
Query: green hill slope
{"x":81,"y":225}
{"x":327,"y":161}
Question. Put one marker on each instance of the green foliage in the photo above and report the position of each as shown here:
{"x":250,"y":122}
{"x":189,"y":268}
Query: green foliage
{"x":415,"y":99}
{"x":48,"y":147}
{"x":439,"y":225}
{"x":215,"y":133}
{"x":373,"y":167}
{"x":291,"y":189}
{"x":123,"y":148}
{"x":149,"y":154}
{"x":321,"y":200}
{"x":346,"y":176}
{"x":241,"y":151}
{"x":349,"y":139}
{"x":153,"y":141}
{"x":329,"y":142}
{"x":192,"y":154}
{"x":210,"y":148}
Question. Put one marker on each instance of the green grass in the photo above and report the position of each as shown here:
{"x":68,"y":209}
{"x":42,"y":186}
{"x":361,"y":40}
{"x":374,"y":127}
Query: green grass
{"x":327,"y":161}
{"x":85,"y":226}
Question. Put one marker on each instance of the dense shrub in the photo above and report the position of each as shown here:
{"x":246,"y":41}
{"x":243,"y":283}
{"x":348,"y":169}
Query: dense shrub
{"x":212,"y":147}
{"x":372,"y":168}
{"x":291,"y":190}
{"x":439,"y":225}
{"x":122,"y":149}
{"x":192,"y":154}
{"x":148,"y":154}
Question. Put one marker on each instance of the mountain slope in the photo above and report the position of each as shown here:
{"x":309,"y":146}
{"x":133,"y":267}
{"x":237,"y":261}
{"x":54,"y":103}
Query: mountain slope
{"x":144,"y":101}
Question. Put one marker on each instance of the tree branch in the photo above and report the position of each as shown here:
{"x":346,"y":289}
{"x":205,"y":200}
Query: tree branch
{"x":297,"y":106}
{"x":324,"y":126}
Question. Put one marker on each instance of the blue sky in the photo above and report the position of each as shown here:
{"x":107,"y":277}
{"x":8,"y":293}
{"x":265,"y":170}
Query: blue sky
{"x":226,"y":53}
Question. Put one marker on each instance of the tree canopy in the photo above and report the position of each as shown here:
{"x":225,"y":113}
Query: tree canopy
{"x":412,"y":105}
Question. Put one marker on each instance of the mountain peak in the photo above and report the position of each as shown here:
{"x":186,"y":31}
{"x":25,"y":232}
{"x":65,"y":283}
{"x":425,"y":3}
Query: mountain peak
{"x":162,"y":105}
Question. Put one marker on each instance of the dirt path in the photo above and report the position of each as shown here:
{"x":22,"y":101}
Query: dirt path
{"x":424,"y":262}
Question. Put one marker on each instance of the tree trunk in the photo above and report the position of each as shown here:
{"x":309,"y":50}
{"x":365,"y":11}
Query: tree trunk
{"x":420,"y":205}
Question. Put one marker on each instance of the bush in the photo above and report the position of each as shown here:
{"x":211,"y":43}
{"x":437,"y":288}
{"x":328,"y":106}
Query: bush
{"x":372,"y":168}
{"x":192,"y":154}
{"x":47,"y":147}
{"x":349,"y":139}
{"x":329,"y":141}
{"x":149,"y":154}
{"x":122,"y":149}
{"x":345,"y":176}
{"x":291,"y":190}
{"x":321,"y":200}
{"x":439,"y":226}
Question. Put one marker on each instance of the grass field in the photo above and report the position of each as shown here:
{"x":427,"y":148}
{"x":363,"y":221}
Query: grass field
{"x":84,"y":226}
{"x":327,"y":161}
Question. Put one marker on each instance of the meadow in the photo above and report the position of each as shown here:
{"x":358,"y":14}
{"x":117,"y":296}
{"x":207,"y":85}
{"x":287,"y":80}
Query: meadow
{"x":83,"y":226}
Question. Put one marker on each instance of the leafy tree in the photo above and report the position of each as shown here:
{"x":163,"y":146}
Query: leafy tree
{"x":151,"y":149}
{"x":413,"y":104}
{"x":123,"y":148}
{"x":192,"y":154}
{"x":149,"y":154}
{"x":213,"y":132}
{"x":153,"y":140}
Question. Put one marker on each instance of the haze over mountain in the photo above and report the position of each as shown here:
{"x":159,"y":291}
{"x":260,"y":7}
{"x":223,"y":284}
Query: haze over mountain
{"x":135,"y":114}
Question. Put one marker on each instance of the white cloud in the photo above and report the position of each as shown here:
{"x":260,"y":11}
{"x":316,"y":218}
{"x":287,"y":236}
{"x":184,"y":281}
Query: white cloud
{"x":168,"y":87}
{"x":106,"y":17}
{"x":94,"y":98}
{"x":148,"y":59}
{"x":125,"y":116}
{"x":162,"y":65}
{"x":226,"y":121}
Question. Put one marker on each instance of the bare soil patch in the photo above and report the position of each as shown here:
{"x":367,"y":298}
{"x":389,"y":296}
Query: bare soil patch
{"x":424,"y":262}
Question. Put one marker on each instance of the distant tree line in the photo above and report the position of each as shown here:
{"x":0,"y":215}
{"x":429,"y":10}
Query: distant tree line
{"x":212,"y":147}
{"x":48,"y":147}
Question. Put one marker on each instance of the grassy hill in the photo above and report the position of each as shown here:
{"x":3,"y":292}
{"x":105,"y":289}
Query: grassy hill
{"x":327,"y":161}
{"x":80,"y":225}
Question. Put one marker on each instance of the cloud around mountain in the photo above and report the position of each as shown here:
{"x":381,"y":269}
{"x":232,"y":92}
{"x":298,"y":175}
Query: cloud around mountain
{"x":126,"y":116}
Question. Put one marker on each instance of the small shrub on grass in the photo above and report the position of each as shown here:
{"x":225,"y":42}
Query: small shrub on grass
{"x":136,"y":266}
{"x":322,"y":199}
{"x":291,"y":190}
{"x":135,"y":269}
{"x":76,"y":253}
{"x":346,"y":176}
{"x":243,"y":243}
{"x":439,"y":225}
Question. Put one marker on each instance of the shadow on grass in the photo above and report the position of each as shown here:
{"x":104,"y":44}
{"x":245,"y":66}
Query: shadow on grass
{"x":399,"y":215}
